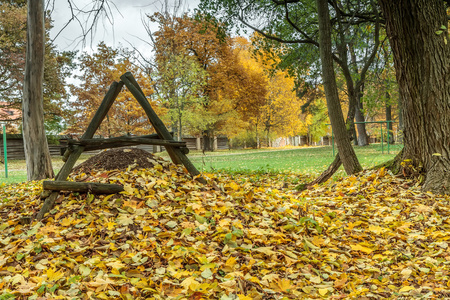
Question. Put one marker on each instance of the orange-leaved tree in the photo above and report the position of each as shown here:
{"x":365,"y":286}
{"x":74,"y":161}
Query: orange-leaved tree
{"x":231,"y":92}
{"x":99,"y":70}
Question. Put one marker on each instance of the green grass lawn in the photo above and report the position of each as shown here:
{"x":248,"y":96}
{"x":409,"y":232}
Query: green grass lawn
{"x":17,"y":169}
{"x":304,"y":160}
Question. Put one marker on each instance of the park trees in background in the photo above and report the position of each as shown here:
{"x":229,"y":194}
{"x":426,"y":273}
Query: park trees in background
{"x":98,"y":71}
{"x":57,"y":68}
{"x":314,"y":114}
{"x":279,"y":111}
{"x":381,"y":99}
{"x":181,"y":83}
{"x":292,"y":28}
{"x":231,"y":93}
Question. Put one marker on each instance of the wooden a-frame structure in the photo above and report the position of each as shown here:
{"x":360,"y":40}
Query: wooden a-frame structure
{"x":176,"y":150}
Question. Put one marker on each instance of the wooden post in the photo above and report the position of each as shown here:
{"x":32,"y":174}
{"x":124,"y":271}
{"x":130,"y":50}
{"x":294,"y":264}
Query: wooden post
{"x":91,"y":187}
{"x":159,"y":126}
{"x":178,"y":157}
{"x":106,"y":104}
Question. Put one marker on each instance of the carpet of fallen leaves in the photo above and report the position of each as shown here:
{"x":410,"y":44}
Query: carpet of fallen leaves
{"x":372,"y":236}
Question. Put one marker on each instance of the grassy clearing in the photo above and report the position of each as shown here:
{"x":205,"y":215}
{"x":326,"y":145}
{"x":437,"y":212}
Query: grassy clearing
{"x":305,"y":160}
{"x":17,"y":169}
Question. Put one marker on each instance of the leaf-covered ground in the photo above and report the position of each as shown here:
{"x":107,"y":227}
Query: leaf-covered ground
{"x":167,"y":236}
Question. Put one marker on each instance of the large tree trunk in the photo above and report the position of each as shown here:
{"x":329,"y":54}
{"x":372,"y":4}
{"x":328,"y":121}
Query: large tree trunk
{"x":37,"y":155}
{"x":422,"y":61}
{"x":346,"y":152}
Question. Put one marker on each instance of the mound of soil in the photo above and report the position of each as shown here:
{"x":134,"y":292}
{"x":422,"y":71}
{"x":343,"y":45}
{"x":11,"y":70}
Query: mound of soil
{"x":118,"y":159}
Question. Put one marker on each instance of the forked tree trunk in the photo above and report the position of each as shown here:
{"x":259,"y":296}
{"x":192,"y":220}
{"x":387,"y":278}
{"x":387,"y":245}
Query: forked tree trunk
{"x":363,"y":139}
{"x":37,"y":155}
{"x":346,"y":153}
{"x":422,"y":60}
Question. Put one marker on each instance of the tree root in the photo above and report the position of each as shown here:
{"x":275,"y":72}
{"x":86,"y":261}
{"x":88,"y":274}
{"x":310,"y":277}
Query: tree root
{"x":324,"y":176}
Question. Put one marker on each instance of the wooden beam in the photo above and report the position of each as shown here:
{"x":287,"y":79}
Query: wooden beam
{"x":66,"y":153}
{"x":91,"y":144}
{"x":178,"y":157}
{"x":91,"y":187}
{"x":106,"y":104}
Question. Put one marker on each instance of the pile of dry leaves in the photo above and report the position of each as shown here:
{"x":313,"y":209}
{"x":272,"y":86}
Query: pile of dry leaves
{"x":167,"y":236}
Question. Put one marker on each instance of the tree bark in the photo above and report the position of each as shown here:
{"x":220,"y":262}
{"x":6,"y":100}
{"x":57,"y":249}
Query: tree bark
{"x":363,"y":139}
{"x":422,"y":59}
{"x":346,"y":152}
{"x":37,"y":155}
{"x":91,"y":187}
{"x":389,"y":124}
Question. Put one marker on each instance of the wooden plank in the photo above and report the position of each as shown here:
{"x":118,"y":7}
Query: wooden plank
{"x":91,"y":187}
{"x":106,"y":104}
{"x":178,"y":157}
{"x":93,"y":144}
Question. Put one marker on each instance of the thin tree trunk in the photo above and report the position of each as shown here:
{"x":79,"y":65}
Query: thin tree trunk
{"x":37,"y":155}
{"x":389,"y":118}
{"x":346,"y":151}
{"x":363,"y":139}
{"x":401,"y":126}
{"x":422,"y":59}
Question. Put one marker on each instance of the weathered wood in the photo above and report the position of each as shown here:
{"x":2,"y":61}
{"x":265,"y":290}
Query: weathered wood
{"x":178,"y":157}
{"x":93,"y":144}
{"x":66,"y":153}
{"x":106,"y":104}
{"x":91,"y":187}
{"x":39,"y":164}
{"x":159,"y":126}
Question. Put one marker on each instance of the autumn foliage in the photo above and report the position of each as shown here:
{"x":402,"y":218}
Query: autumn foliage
{"x":99,"y":70}
{"x":237,"y":237}
{"x":242,"y":91}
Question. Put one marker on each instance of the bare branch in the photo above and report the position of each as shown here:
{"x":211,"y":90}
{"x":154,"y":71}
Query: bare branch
{"x":96,"y":10}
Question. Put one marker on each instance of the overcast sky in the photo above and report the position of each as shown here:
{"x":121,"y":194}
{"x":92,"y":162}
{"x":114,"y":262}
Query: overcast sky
{"x":122,"y":28}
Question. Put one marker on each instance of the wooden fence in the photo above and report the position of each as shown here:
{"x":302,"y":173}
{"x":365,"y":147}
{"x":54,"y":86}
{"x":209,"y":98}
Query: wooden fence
{"x":15,"y":149}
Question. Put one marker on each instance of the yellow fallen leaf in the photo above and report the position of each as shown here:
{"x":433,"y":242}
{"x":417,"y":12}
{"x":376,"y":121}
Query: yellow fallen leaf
{"x":361,"y":248}
{"x":285,"y":285}
{"x":243,"y":297}
{"x":323,"y":292}
{"x":53,"y":275}
{"x":406,"y":289}
{"x":377,"y":229}
{"x":190,"y":283}
{"x":378,"y":257}
{"x":231,"y":261}
{"x":406,"y":273}
{"x":340,"y":283}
